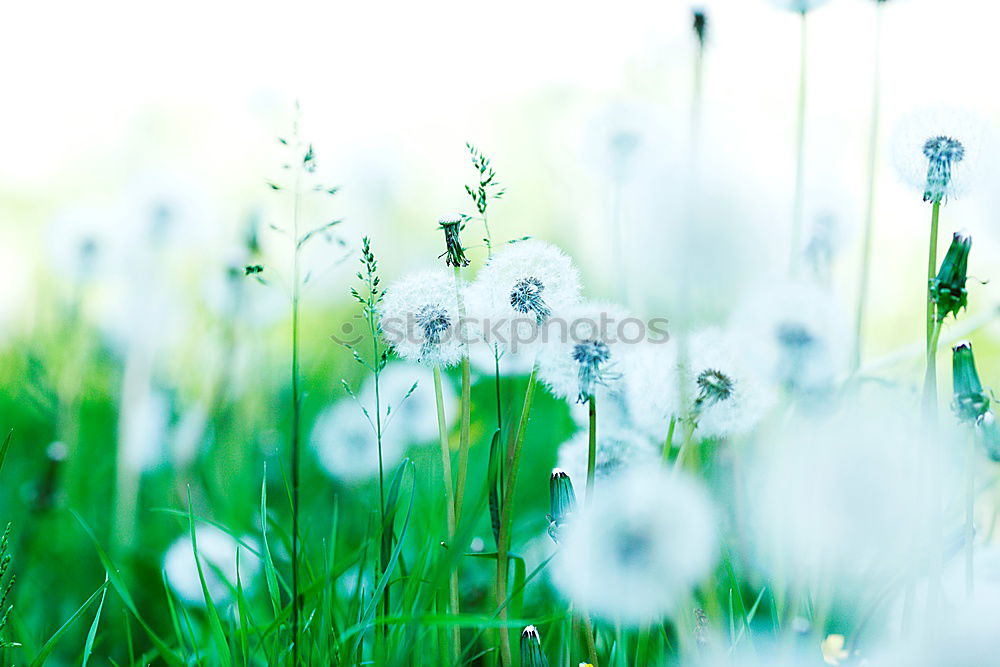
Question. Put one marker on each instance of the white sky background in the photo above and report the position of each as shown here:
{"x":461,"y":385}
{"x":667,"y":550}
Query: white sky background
{"x":96,"y":92}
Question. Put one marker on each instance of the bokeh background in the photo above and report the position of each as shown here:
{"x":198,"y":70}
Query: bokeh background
{"x":138,"y":363}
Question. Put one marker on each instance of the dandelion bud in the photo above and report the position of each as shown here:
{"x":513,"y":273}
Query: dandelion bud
{"x":700,"y":25}
{"x":454,"y":254}
{"x":970,"y":402}
{"x":562,"y":502}
{"x":531,"y":648}
{"x":941,"y":152}
{"x":948,"y":288}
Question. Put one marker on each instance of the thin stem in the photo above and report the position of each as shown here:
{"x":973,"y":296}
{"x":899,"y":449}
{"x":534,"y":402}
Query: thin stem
{"x":466,"y":418}
{"x":296,"y":422}
{"x":930,"y":378}
{"x":690,"y":424}
{"x":496,"y":378}
{"x":866,"y":249}
{"x":588,"y":636}
{"x":800,"y":142}
{"x":386,"y":532}
{"x":450,"y":511}
{"x":591,"y":446}
{"x":514,"y":446}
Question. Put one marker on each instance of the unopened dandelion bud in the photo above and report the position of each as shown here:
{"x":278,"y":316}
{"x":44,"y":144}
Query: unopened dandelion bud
{"x":947,"y":290}
{"x":590,"y":356}
{"x":970,"y":401}
{"x":562,"y":502}
{"x":531,"y":648}
{"x":454,"y":254}
{"x":942,"y":153}
{"x":700,"y":25}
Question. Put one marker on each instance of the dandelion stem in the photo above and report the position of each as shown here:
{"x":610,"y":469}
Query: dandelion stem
{"x":930,"y":378}
{"x":866,"y":249}
{"x":514,"y":447}
{"x":449,"y":510}
{"x":588,"y":635}
{"x":591,"y":445}
{"x":690,"y":425}
{"x":466,"y":417}
{"x":800,"y":142}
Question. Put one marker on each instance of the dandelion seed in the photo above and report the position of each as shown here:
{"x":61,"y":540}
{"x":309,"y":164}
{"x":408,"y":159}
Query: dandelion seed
{"x":217,"y":551}
{"x":636,"y":551}
{"x":420,"y":318}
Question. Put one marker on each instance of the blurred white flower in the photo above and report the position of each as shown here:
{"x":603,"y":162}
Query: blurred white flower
{"x":144,"y":419}
{"x":346,"y":446}
{"x":800,"y":6}
{"x":512,"y":364}
{"x":618,"y":450}
{"x":635,"y":550}
{"x":614,"y":414}
{"x":964,"y":635}
{"x":519,"y":289}
{"x":792,"y":334}
{"x":842,"y":497}
{"x":942,"y":151}
{"x":584,"y":349}
{"x":420,"y":318}
{"x":217,"y":551}
{"x":730,"y":395}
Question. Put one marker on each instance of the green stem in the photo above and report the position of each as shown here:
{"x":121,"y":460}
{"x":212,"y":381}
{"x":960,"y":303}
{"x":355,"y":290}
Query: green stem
{"x":514,"y":447}
{"x":970,"y":509}
{"x":800,"y":142}
{"x":588,"y":636}
{"x":866,"y":250}
{"x":930,"y":378}
{"x":296,"y":424}
{"x":453,"y":605}
{"x":466,"y":418}
{"x":591,"y":446}
{"x":690,"y":425}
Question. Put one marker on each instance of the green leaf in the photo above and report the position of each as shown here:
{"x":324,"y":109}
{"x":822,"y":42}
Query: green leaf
{"x":218,"y":633}
{"x":50,"y":645}
{"x":494,"y":482}
{"x":88,"y":648}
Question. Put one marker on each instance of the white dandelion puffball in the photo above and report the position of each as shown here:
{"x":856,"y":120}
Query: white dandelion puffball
{"x":730,"y":395}
{"x":585,"y":349}
{"x":793,"y":335}
{"x":618,"y":450}
{"x":143,"y":427}
{"x":942,"y":152}
{"x":345,"y":444}
{"x":613,"y":411}
{"x":217,"y":552}
{"x":482,"y":356}
{"x":408,"y":416}
{"x":964,"y":636}
{"x":651,"y":386}
{"x":420,"y":318}
{"x":519,"y":289}
{"x":800,"y":6}
{"x":639,"y":547}
{"x":842,"y":498}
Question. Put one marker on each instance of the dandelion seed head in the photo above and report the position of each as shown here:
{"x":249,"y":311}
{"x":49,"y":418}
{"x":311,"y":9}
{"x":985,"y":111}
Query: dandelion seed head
{"x":585,"y":351}
{"x":345,"y":444}
{"x":217,"y":552}
{"x":651,"y":387}
{"x":942,"y":151}
{"x":635,"y":552}
{"x":519,"y":290}
{"x":420,"y":318}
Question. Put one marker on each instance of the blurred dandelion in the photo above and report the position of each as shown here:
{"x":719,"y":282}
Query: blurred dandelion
{"x":219,"y":554}
{"x":344,"y":441}
{"x":639,"y":548}
{"x":618,"y":450}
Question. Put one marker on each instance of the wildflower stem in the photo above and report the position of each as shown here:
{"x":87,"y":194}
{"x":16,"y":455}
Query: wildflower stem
{"x":591,"y":445}
{"x":866,"y":248}
{"x":449,"y":510}
{"x":296,"y":420}
{"x":588,"y":636}
{"x":514,"y":447}
{"x":930,"y":378}
{"x":800,"y":141}
{"x":466,"y":415}
{"x":690,"y":425}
